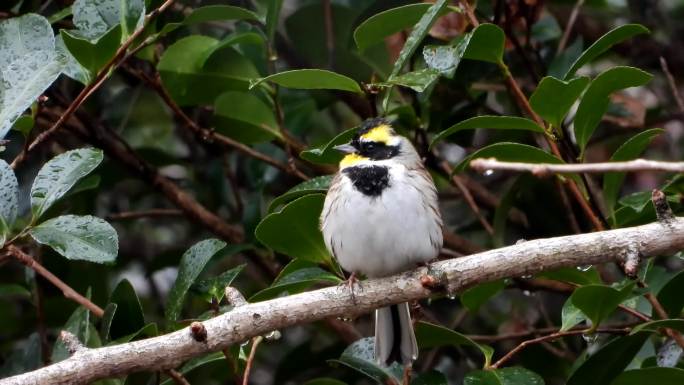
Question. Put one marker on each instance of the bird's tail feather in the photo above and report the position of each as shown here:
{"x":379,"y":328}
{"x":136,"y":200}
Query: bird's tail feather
{"x":394,"y":336}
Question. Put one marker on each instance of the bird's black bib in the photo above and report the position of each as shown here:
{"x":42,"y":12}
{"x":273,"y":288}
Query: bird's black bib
{"x":370,"y":180}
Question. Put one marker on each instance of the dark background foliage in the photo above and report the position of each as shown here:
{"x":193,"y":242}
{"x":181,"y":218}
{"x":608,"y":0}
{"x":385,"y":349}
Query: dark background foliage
{"x":183,"y":113}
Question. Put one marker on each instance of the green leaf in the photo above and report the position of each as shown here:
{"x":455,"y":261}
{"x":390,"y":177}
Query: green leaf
{"x":296,"y":277}
{"x":326,"y":153}
{"x":486,"y":43}
{"x":445,"y":58}
{"x":607,"y":363}
{"x":488,"y":121}
{"x":510,"y":152}
{"x":660,"y":376}
{"x":418,"y":81}
{"x":196,"y":69}
{"x":314,"y":185}
{"x":92,"y":55}
{"x":219,"y":13}
{"x":13,"y":290}
{"x":417,"y":35}
{"x":72,"y":68}
{"x":106,"y":323}
{"x":653,"y":326}
{"x":272,"y":13}
{"x":78,"y":324}
{"x":598,"y":301}
{"x":59,"y":175}
{"x":553,"y":98}
{"x":595,"y":101}
{"x":573,"y":275}
{"x":94,"y":18}
{"x":132,"y":16}
{"x":571,"y":316}
{"x":360,"y":357}
{"x":670,"y":295}
{"x":603,"y":44}
{"x":191,"y":265}
{"x":128,"y":317}
{"x":244,"y":117}
{"x":630,"y":149}
{"x":432,"y":377}
{"x":214,"y":288}
{"x":29,"y":65}
{"x":84,"y":238}
{"x":476,"y":296}
{"x":9,"y":199}
{"x":506,"y":376}
{"x":311,"y":79}
{"x":432,"y":336}
{"x":294,"y":231}
{"x":197,"y":362}
{"x":376,"y":28}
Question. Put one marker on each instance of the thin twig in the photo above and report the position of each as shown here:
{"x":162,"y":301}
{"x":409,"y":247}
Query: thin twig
{"x":100,"y":78}
{"x":151,"y":213}
{"x":551,"y":337}
{"x":568,"y":27}
{"x":177,"y":377}
{"x":546,"y":169}
{"x":68,"y":292}
{"x":673,"y":85}
{"x":468,"y":198}
{"x":250,"y":360}
{"x":662,"y":314}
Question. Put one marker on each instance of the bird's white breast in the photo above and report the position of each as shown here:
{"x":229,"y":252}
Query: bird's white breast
{"x":385,"y":234}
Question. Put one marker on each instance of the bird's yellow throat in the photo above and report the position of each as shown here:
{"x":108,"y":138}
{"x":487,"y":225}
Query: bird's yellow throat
{"x":351,"y":159}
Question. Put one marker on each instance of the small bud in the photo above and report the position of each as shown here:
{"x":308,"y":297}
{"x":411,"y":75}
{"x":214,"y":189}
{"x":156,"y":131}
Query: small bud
{"x":198,"y":331}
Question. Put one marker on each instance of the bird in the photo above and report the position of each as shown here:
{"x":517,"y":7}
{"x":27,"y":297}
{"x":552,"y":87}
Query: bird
{"x":381,"y":217}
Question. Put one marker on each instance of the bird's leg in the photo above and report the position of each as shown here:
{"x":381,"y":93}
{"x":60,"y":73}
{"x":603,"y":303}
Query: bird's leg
{"x":408,"y":371}
{"x":349,"y":282}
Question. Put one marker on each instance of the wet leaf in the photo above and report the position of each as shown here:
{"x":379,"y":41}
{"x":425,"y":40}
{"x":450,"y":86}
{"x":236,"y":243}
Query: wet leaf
{"x":9,"y":199}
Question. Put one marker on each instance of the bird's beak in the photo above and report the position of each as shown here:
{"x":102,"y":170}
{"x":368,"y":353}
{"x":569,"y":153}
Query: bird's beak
{"x":346,"y":148}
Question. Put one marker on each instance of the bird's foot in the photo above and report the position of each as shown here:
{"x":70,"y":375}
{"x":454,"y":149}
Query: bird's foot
{"x":349,"y":282}
{"x":408,"y":371}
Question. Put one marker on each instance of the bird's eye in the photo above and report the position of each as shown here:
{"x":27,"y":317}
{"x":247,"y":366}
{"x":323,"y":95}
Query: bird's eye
{"x":370,"y":146}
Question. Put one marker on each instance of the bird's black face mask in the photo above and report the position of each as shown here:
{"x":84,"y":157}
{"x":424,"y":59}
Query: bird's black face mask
{"x":371,"y":141}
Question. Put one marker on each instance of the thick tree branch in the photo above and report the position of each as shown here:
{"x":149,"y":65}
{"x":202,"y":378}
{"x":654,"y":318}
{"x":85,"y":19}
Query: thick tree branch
{"x":545,"y":169}
{"x":454,"y":275}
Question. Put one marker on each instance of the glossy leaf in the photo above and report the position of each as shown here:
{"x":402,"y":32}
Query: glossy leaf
{"x":376,"y":28}
{"x":310,"y":79}
{"x":360,"y":357}
{"x":603,"y":44}
{"x":326,"y":153}
{"x":418,"y":81}
{"x":197,"y":69}
{"x":431,"y":336}
{"x":660,"y":376}
{"x":214,"y":288}
{"x":94,"y":18}
{"x":128,"y":317}
{"x":59,"y":175}
{"x":476,"y":296}
{"x":92,"y":55}
{"x":72,"y":68}
{"x":598,"y":301}
{"x":595,"y":101}
{"x":191,"y":265}
{"x":486,"y":43}
{"x":106,"y":323}
{"x":487,"y":121}
{"x":132,"y":16}
{"x":553,"y":98}
{"x":28,"y":65}
{"x":314,"y":185}
{"x":571,"y":316}
{"x":417,"y":35}
{"x":272,"y":14}
{"x":296,"y":277}
{"x":653,"y":326}
{"x":506,"y":376}
{"x":670,"y":295}
{"x":78,"y":324}
{"x":513,"y":152}
{"x":9,"y":199}
{"x":629,"y":150}
{"x":294,"y":231}
{"x":573,"y":275}
{"x":607,"y":363}
{"x":84,"y":238}
{"x":245,"y":117}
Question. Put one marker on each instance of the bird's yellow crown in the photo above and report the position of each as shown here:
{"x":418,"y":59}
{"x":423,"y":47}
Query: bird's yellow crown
{"x":381,"y":133}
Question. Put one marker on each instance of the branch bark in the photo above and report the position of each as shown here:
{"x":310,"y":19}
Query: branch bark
{"x":244,"y":322}
{"x":545,"y":169}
